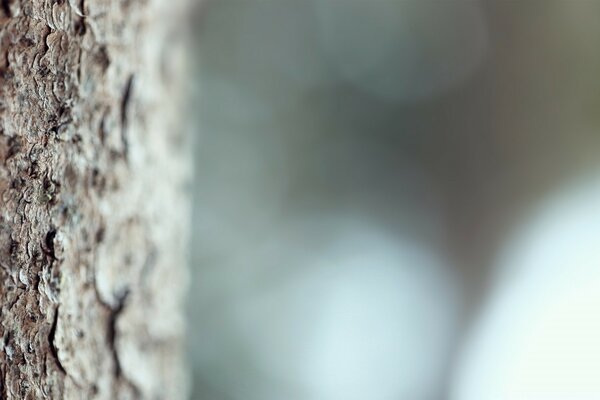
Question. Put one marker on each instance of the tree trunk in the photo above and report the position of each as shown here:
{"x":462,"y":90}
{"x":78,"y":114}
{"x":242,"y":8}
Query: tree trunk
{"x":93,"y":209}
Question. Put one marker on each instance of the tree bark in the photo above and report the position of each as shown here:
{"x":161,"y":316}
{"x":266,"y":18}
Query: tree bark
{"x":93,"y":204}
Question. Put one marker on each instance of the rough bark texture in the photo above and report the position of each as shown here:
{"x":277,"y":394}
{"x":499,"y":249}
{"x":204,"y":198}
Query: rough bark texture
{"x":92,"y":203}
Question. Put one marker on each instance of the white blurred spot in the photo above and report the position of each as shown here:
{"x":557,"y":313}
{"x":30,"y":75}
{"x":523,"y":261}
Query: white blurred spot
{"x":385,"y":323}
{"x":539,"y":338}
{"x":366,"y":317}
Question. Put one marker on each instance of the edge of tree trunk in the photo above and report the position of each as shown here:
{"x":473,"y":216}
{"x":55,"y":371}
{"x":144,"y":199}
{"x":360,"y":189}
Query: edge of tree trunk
{"x":93,"y":200}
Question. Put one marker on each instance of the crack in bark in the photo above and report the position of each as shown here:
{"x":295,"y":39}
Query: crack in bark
{"x":6,"y":8}
{"x":3,"y":385}
{"x":115,"y":312}
{"x":51,"y":339}
{"x":125,"y":100}
{"x":49,"y":242}
{"x":17,"y":298}
{"x":112,"y":330}
{"x":102,"y":128}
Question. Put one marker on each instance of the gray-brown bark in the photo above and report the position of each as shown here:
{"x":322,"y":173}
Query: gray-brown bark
{"x":92,"y":203}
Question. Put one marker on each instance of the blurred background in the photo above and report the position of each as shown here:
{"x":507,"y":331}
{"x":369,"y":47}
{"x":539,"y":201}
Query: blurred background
{"x":396,"y":200}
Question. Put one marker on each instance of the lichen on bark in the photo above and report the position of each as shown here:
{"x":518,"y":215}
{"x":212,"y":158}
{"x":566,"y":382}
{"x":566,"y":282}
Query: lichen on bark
{"x":93,"y":203}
